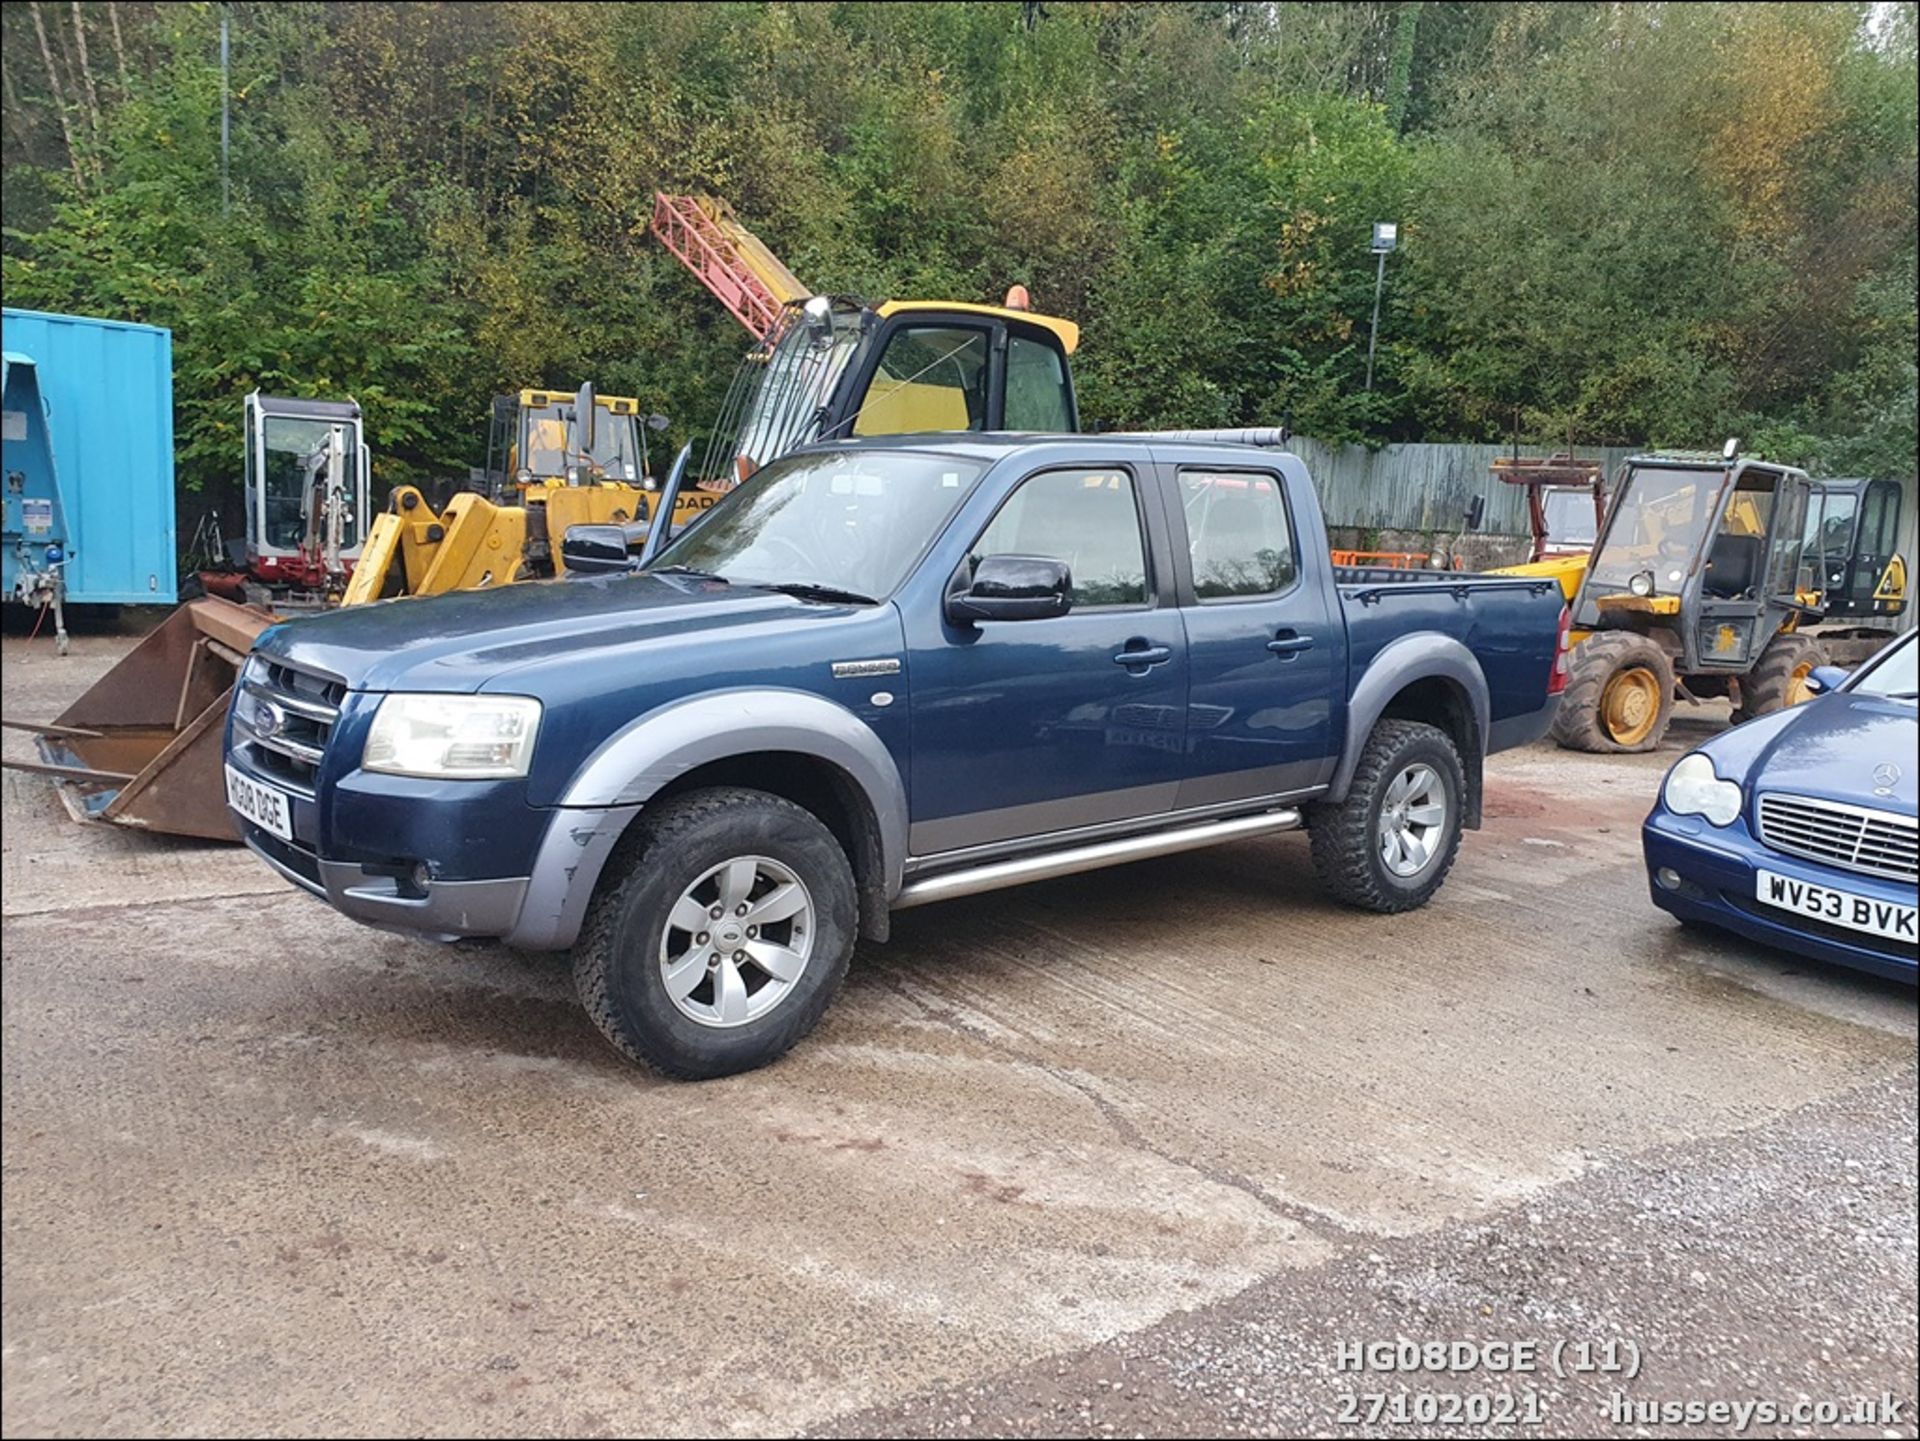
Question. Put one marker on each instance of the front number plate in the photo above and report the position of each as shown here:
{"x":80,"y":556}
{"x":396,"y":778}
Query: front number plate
{"x":263,"y":805}
{"x":1838,"y":908}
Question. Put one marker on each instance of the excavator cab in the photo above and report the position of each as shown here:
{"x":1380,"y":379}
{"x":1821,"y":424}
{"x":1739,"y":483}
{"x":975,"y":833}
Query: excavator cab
{"x":1570,"y":517}
{"x":833,"y":367}
{"x":567,"y":459}
{"x":1852,"y":540}
{"x":554,"y":460}
{"x":307,"y":499}
{"x":825,"y":367}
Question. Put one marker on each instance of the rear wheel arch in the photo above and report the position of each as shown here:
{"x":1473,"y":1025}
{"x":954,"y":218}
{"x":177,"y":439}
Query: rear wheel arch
{"x":1388,"y":844}
{"x":1431,"y":679}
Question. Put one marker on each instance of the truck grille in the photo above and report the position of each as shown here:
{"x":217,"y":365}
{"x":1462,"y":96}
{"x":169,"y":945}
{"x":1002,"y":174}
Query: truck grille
{"x":283,"y":716}
{"x":1875,"y":843}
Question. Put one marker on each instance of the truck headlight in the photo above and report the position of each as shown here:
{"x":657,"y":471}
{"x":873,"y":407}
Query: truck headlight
{"x":1693,"y":788}
{"x":1642,"y":584}
{"x":453,"y":737}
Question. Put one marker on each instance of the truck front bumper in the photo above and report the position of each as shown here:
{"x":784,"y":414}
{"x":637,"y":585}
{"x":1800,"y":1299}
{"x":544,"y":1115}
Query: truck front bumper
{"x":438,"y":910}
{"x":540,"y":911}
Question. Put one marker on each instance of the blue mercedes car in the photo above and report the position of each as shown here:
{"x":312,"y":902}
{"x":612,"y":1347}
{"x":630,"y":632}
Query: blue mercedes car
{"x":1799,"y":828}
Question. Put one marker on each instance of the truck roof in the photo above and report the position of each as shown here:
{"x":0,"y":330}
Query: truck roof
{"x":991,"y":446}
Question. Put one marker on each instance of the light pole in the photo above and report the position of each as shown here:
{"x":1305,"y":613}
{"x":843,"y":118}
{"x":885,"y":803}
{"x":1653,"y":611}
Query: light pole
{"x":1385,"y":236}
{"x":226,"y":181}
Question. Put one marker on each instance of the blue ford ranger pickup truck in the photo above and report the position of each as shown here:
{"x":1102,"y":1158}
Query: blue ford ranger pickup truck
{"x":878,"y":674}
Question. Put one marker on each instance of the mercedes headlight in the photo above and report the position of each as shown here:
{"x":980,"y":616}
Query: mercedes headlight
{"x":453,"y":737}
{"x":1693,"y":788}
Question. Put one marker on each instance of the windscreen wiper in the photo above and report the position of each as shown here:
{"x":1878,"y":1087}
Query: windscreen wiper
{"x":808,"y":590}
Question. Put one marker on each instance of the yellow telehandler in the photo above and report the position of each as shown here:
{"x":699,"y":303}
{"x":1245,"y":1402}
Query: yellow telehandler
{"x":1700,"y":582}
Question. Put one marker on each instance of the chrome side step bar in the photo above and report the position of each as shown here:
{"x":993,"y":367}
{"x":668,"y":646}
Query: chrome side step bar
{"x":1090,"y":858}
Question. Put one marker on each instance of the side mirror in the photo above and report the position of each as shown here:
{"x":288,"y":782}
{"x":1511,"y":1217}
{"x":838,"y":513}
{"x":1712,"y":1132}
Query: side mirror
{"x":598,"y":549}
{"x":585,"y":417}
{"x":1013,"y":587}
{"x":1826,"y":679}
{"x":1476,"y":512}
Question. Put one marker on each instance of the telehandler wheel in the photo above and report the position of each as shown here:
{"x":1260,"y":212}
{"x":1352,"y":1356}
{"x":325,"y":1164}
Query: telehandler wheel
{"x":1619,"y":696}
{"x":720,"y":932}
{"x":1390,"y":843}
{"x":1779,"y":679}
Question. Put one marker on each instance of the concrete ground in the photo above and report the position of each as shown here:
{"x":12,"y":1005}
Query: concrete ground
{"x":1134,"y":1152}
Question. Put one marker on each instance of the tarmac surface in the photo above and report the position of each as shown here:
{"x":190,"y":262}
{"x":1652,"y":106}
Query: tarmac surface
{"x":1134,"y":1152}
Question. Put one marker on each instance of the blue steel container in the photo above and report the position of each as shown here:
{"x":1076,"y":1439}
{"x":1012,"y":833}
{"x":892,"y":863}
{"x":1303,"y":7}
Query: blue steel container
{"x":108,"y":390}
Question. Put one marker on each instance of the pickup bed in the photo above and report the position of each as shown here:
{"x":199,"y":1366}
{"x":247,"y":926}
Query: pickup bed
{"x":880,"y":674}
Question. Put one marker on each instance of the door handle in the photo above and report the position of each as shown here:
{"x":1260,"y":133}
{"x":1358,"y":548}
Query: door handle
{"x":1289,"y":644}
{"x":1143,"y":656}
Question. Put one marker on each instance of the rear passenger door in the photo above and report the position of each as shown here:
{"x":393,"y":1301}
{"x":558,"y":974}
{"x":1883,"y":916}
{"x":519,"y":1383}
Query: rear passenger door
{"x":1265,"y":662}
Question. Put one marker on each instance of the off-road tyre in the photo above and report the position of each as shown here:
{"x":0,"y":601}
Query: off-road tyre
{"x":616,"y":961}
{"x":1777,"y":679}
{"x":1346,"y":837}
{"x":1603,"y":661}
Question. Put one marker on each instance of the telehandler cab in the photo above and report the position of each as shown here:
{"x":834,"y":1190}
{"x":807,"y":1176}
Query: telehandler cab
{"x":1695,"y":583}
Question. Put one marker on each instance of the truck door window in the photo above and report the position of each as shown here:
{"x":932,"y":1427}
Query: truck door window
{"x":1036,"y":387}
{"x":1237,"y":534}
{"x":1088,"y":518}
{"x":930,"y":377}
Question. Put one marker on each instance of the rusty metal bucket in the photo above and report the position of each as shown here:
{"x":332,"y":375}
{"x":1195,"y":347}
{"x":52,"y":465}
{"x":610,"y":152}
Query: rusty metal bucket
{"x":142,"y":746}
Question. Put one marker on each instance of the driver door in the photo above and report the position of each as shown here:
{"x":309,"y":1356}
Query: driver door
{"x":1022,"y":728}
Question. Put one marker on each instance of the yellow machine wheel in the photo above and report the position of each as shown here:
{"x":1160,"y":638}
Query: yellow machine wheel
{"x":1630,"y":705}
{"x":1798,"y":690}
{"x":1619,"y":695}
{"x":1779,"y":678}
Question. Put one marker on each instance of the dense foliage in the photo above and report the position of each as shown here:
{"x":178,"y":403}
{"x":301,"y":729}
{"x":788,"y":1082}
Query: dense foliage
{"x":1620,"y":223}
